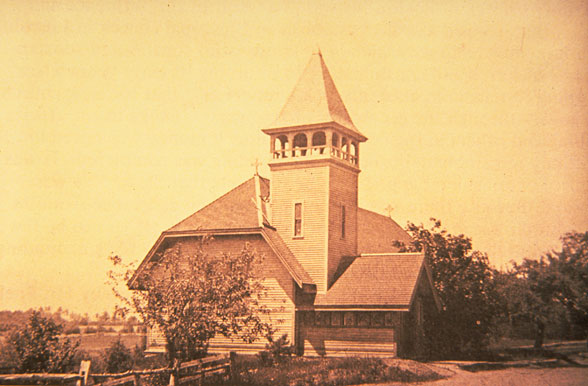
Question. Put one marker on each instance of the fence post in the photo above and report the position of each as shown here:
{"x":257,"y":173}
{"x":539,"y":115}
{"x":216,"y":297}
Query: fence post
{"x":84,"y":371}
{"x":173,"y":377}
{"x":137,"y":379}
{"x":233,"y":373}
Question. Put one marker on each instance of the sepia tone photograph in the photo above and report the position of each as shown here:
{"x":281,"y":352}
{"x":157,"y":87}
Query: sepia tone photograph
{"x":293,"y":193}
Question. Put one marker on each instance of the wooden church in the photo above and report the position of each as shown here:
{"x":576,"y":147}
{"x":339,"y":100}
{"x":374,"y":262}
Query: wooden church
{"x":336,"y":282}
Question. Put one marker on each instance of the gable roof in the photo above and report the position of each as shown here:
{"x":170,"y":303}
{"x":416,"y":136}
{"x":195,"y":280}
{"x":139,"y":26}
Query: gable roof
{"x":235,"y":212}
{"x":392,"y":282}
{"x":315,"y":99}
{"x":377,"y":233}
{"x":237,"y":209}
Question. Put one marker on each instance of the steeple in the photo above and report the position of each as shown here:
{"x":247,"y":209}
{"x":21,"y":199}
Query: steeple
{"x":314,"y":150}
{"x":315,"y":101}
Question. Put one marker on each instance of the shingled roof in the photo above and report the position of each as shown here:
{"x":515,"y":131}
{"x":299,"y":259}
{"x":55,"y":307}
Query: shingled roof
{"x":233,"y":212}
{"x":377,"y":233}
{"x":392,"y":282}
{"x":236,"y":209}
{"x":315,"y":100}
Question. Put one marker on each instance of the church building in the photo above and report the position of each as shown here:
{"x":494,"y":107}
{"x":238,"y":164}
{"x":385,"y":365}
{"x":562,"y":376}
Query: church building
{"x":336,"y":284}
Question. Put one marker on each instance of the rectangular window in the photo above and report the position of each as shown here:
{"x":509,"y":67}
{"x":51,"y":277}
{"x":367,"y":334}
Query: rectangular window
{"x":342,"y":221}
{"x":298,"y":219}
{"x":349,"y":319}
{"x":378,"y":319}
{"x":389,"y":319}
{"x":363,"y":319}
{"x":336,"y":319}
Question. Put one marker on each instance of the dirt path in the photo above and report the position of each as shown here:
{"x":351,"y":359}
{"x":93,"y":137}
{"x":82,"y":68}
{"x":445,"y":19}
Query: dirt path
{"x":569,"y":376}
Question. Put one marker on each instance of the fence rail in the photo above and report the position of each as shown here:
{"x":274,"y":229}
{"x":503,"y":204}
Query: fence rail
{"x":180,"y":374}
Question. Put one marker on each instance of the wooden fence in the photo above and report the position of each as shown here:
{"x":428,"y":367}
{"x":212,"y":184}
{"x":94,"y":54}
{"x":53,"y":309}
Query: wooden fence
{"x":192,"y":371}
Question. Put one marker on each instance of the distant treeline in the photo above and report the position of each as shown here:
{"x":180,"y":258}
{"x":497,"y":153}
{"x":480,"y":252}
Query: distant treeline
{"x":73,"y":323}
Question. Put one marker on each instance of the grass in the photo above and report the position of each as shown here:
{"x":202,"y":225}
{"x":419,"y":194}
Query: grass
{"x":328,"y":371}
{"x":101,"y":341}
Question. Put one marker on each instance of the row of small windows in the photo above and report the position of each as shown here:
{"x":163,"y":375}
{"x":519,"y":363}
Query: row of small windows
{"x":350,"y":319}
{"x":340,"y":147}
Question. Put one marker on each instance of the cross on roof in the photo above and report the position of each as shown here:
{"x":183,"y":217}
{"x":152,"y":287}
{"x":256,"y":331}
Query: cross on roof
{"x":389,"y":209}
{"x":257,"y":164}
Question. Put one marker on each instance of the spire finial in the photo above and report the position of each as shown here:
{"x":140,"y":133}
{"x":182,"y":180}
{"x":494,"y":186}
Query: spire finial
{"x":389,"y":209}
{"x":318,"y":50}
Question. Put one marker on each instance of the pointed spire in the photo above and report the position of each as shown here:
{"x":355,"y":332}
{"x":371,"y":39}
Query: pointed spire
{"x":315,"y":99}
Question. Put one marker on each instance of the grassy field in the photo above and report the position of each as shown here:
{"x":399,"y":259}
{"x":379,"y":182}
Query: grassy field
{"x":328,"y":372}
{"x":93,"y":343}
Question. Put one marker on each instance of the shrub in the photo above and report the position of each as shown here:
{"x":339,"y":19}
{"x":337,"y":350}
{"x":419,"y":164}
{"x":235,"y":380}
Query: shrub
{"x":276,"y":351}
{"x":38,"y":348}
{"x":118,"y":358}
{"x":91,"y":330}
{"x":8,"y":357}
{"x":72,"y":330}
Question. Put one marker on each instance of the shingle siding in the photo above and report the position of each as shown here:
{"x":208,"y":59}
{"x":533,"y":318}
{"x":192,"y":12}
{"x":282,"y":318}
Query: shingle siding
{"x":342,"y":192}
{"x":331,"y":341}
{"x":308,"y":185}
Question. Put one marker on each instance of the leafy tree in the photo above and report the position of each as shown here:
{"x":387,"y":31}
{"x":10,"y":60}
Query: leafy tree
{"x":572,"y":264}
{"x":464,"y":282}
{"x":190,"y":298}
{"x":39,"y":349}
{"x":553,"y":287}
{"x":118,"y":358}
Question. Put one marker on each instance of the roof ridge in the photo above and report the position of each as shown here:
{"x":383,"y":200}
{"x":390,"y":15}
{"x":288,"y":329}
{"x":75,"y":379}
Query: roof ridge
{"x":379,"y":214}
{"x":383,"y":254}
{"x":212,"y":202}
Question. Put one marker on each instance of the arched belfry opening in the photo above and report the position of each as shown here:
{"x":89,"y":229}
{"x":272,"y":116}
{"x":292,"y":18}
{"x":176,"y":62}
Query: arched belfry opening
{"x":280,"y":144}
{"x":312,"y":144}
{"x":319,"y":141}
{"x":299,"y":145}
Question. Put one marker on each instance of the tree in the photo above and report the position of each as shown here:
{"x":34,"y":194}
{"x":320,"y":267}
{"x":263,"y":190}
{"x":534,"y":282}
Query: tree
{"x":192,"y":297}
{"x":572,"y":265}
{"x":529,"y":289}
{"x":464,"y":282}
{"x":117,"y":358}
{"x":553,"y":287}
{"x":39,"y":349}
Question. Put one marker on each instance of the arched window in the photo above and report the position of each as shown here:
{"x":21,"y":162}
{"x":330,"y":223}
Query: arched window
{"x":280,"y":146}
{"x":354,"y":152}
{"x":319,"y":140}
{"x":344,"y":148}
{"x":335,"y":145}
{"x":299,"y":142}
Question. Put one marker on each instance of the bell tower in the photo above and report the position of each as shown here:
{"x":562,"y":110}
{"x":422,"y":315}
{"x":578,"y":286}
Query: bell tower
{"x":314,"y":150}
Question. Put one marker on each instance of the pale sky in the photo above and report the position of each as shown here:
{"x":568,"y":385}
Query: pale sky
{"x":120,"y":118}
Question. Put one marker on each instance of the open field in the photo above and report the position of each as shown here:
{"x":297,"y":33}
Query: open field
{"x":100,"y":341}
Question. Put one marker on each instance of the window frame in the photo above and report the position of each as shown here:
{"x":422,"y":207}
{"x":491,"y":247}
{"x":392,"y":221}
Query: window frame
{"x":294,"y":219}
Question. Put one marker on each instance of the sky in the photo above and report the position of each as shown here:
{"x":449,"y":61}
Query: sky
{"x":120,"y":118}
